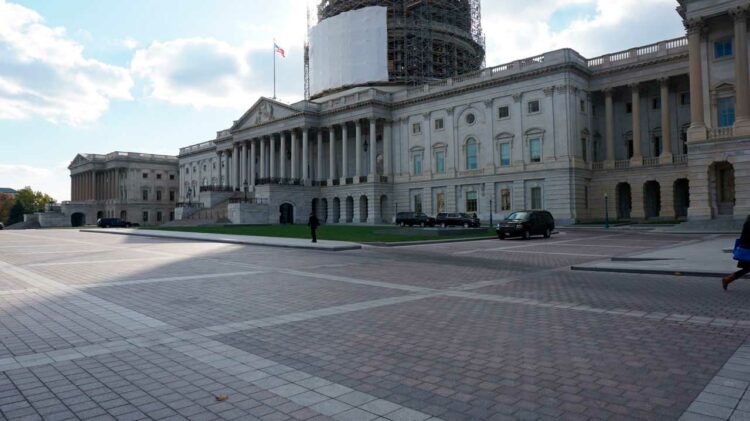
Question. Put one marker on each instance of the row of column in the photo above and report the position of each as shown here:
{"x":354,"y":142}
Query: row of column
{"x":95,"y":185}
{"x":696,"y":32}
{"x":240,"y":160}
{"x":666,"y":123}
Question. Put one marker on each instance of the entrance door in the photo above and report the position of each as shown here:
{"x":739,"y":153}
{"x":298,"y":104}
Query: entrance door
{"x":725,"y":188}
{"x":286,"y":214}
{"x":77,"y":219}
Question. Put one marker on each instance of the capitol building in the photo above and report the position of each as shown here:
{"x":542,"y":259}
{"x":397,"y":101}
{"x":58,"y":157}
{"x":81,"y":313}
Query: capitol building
{"x":401,"y":116}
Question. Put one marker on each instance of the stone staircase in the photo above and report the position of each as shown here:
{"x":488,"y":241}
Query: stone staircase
{"x":215,"y":215}
{"x":722,"y":224}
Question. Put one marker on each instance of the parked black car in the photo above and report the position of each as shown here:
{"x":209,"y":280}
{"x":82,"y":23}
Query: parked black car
{"x":112,"y":223}
{"x":2,"y":226}
{"x":457,"y":220}
{"x":414,"y":218}
{"x":525,"y":224}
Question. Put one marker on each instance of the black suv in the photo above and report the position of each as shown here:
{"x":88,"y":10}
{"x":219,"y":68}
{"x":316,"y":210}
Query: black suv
{"x":112,"y":222}
{"x":414,"y":218}
{"x":525,"y":224}
{"x":457,"y":220}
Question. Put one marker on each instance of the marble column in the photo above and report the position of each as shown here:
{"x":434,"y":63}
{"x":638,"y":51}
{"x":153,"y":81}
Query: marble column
{"x":373,"y":147}
{"x":666,"y":123}
{"x":295,"y":162}
{"x":282,"y":156}
{"x":262,"y":157}
{"x":235,"y":166}
{"x":305,"y":155}
{"x":272,"y":164}
{"x":319,"y":159}
{"x":243,"y":165}
{"x":344,"y":153}
{"x":252,"y":163}
{"x":637,"y":158}
{"x":697,"y":130}
{"x":358,"y":151}
{"x":609,"y":116}
{"x":387,"y":148}
{"x":331,"y":153}
{"x":742,"y":93}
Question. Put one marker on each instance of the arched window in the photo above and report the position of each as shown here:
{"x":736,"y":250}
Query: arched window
{"x":471,"y":154}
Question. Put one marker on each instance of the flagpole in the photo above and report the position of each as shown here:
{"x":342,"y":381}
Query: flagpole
{"x":274,"y":68}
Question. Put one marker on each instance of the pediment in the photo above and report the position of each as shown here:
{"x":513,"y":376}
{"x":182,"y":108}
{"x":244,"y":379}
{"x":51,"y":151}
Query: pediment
{"x":79,"y":160}
{"x":263,"y":111}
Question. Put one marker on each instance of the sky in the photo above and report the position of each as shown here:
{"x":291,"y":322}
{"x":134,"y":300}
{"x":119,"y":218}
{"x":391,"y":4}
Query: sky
{"x":97,"y":76}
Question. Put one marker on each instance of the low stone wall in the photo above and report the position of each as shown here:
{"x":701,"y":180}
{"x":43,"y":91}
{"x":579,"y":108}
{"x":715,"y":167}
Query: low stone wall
{"x":433,"y":232}
{"x":53,"y":220}
{"x":247,"y":213}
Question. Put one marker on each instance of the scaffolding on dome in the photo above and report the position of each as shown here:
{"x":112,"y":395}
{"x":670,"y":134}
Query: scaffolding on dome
{"x":427,"y":39}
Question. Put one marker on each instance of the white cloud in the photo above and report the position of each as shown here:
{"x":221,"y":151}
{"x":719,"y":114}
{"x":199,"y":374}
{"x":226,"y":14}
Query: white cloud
{"x":44,"y":73}
{"x":517,"y":30}
{"x":130,"y":43}
{"x":54,"y":181}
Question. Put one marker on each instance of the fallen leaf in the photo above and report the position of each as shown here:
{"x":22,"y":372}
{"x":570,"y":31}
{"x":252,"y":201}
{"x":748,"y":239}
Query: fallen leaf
{"x":222,"y":398}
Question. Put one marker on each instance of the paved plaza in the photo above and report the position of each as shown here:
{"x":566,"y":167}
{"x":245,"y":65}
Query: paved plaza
{"x":97,"y":326}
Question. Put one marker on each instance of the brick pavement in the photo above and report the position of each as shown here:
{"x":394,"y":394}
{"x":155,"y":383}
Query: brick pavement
{"x":97,"y":327}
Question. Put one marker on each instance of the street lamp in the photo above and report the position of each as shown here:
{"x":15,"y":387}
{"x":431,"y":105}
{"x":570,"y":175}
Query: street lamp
{"x":190,"y":196}
{"x":245,"y":186}
{"x":606,"y":211}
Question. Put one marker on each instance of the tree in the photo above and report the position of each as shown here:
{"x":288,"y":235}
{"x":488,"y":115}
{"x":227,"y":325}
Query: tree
{"x":16,"y":213}
{"x":6,"y":203}
{"x":32,"y":201}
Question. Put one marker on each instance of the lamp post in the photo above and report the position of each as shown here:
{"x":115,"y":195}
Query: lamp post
{"x":244,"y":185}
{"x":606,"y":211}
{"x":190,"y":196}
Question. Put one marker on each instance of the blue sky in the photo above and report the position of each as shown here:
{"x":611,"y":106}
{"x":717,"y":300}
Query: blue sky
{"x":151,"y":76}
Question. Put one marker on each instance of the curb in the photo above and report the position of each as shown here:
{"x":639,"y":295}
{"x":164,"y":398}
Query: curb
{"x":229,"y":241}
{"x":649,"y":271}
{"x":427,"y":242}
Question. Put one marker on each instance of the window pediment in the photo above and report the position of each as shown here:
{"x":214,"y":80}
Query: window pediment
{"x":505,"y":136}
{"x":535,"y":131}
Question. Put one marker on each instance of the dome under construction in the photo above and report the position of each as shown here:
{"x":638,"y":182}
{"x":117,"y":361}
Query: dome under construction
{"x":424,"y":40}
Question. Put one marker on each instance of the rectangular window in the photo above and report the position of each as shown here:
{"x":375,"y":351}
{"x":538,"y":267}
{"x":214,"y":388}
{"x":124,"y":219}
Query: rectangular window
{"x":584,"y":150}
{"x":417,"y":164}
{"x":439,"y":124}
{"x":585,"y":197}
{"x":158,"y":216}
{"x":726,"y":111}
{"x":629,"y":147}
{"x":535,"y":150}
{"x":505,"y":200}
{"x":158,"y":195}
{"x":505,"y":154}
{"x":171,"y":216}
{"x":685,"y":98}
{"x":503,"y":112}
{"x":629,"y":108}
{"x":171,"y":176}
{"x":723,"y":48}
{"x":440,"y":198}
{"x":416,"y":128}
{"x":593,"y":110}
{"x":536,"y":198}
{"x":145,"y":216}
{"x":145,"y":195}
{"x":583,"y":106}
{"x":417,"y":203}
{"x":440,"y":162}
{"x":471,"y":155}
{"x":145,"y":175}
{"x":471,"y":201}
{"x":158,"y":176}
{"x":657,"y":145}
{"x":655,"y":103}
{"x":533,"y":106}
{"x":171,"y":195}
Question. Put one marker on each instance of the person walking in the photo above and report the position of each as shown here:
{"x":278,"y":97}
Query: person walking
{"x":744,"y":265}
{"x":313,"y":223}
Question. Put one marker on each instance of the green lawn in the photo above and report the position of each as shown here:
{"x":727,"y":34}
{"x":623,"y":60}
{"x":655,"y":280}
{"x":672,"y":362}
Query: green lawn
{"x":358,"y":234}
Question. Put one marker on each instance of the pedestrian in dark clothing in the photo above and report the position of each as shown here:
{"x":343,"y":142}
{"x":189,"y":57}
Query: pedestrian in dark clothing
{"x":313,"y":223}
{"x":744,"y":265}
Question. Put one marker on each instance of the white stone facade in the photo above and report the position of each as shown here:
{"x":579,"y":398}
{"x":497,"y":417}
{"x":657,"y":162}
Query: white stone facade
{"x":642,"y":131}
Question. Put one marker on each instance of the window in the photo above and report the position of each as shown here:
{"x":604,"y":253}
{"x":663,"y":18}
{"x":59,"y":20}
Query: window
{"x":417,"y":203}
{"x":145,"y":195}
{"x":583,"y":106}
{"x":629,"y":108}
{"x":470,"y":118}
{"x":171,"y":216}
{"x":145,"y":216}
{"x":158,"y":216}
{"x":471,"y":154}
{"x":503,"y":112}
{"x":723,"y":48}
{"x":656,"y":141}
{"x":584,"y":150}
{"x":685,"y":98}
{"x":593,"y":110}
{"x":533,"y":107}
{"x":725,"y":108}
{"x":629,"y":147}
{"x":416,"y":128}
{"x":158,"y":176}
{"x":440,"y":162}
{"x":213,"y":165}
{"x":505,"y":199}
{"x":440,"y":198}
{"x":171,"y":195}
{"x":505,"y":154}
{"x":418,"y":164}
{"x":585,"y":197}
{"x":204,"y":167}
{"x":536,"y":198}
{"x":145,"y":175}
{"x":439,"y":124}
{"x":158,"y":195}
{"x":655,"y":103}
{"x":171,"y":176}
{"x":535,"y":150}
{"x":471,"y":201}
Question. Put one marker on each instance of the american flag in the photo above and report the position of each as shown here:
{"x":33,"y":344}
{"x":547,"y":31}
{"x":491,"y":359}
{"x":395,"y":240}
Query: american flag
{"x":279,"y":50}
